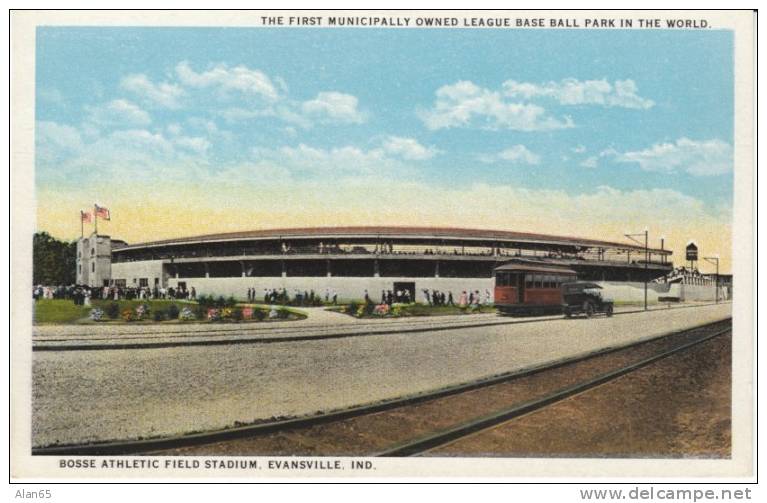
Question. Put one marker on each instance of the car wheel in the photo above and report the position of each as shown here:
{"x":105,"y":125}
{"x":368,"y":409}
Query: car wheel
{"x":609,"y":311}
{"x":588,"y":309}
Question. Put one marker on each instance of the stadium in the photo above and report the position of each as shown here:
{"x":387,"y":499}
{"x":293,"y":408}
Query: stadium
{"x":350,"y":260}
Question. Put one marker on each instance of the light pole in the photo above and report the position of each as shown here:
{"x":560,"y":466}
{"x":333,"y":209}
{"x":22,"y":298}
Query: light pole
{"x":646,"y":257}
{"x":715,"y":260}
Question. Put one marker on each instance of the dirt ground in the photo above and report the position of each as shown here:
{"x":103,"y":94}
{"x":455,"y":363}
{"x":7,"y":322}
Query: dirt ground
{"x":376,"y":432}
{"x":677,"y":407}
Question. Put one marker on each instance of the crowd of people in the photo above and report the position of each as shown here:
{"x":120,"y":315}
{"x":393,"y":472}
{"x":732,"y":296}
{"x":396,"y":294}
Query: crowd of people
{"x":82,"y":294}
{"x":433,"y":297}
{"x":686,"y":275}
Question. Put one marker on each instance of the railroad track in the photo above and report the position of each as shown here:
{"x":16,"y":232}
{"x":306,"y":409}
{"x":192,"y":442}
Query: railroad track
{"x":601,"y":367}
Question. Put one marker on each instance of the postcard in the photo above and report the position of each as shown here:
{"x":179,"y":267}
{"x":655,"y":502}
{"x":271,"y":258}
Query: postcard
{"x":371,"y":244}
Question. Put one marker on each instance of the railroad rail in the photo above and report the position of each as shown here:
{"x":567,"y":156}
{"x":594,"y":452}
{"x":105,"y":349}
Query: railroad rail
{"x":439,"y":439}
{"x":419,"y":445}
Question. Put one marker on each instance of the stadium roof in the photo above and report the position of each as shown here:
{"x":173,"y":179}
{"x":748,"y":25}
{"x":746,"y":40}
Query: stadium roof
{"x":452,"y":233}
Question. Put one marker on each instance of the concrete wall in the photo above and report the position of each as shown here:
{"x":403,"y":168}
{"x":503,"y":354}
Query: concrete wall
{"x":699,"y":293}
{"x":131,"y":272}
{"x":354,"y":288}
{"x":634,"y":292}
{"x":345,"y":287}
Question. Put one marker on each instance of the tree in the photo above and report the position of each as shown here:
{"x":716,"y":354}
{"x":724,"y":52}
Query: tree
{"x":53,"y":260}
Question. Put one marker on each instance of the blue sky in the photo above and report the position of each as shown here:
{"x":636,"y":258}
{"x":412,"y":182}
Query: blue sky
{"x":573,"y":112}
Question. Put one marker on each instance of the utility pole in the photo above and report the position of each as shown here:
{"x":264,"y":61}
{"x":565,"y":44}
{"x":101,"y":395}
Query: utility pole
{"x":646,"y":256}
{"x":715,"y":260}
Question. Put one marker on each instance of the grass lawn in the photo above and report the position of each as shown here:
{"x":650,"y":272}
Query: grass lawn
{"x":406,"y":310}
{"x":58,"y":311}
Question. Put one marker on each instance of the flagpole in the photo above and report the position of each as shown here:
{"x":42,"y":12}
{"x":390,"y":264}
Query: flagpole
{"x":95,"y":219}
{"x":82,"y":229}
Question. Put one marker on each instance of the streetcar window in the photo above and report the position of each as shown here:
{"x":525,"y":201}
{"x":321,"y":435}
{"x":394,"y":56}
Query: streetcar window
{"x":537,"y":281}
{"x":528,"y":280}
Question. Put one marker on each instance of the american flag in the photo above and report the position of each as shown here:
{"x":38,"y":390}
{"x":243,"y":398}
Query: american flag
{"x":85,"y":216}
{"x":102,"y":212}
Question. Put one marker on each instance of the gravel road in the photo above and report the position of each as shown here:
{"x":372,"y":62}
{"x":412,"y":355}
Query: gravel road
{"x":83,"y":396}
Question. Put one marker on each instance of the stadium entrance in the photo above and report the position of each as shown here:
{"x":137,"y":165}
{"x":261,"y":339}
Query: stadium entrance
{"x":401,"y":286}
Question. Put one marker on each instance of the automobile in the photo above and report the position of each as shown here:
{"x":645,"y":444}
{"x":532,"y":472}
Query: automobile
{"x":583,"y":297}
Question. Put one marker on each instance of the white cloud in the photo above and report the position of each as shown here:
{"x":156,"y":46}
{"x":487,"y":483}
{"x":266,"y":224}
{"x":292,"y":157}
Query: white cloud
{"x":174,"y":129}
{"x":408,"y":148}
{"x":195,"y":144}
{"x":516,"y":154}
{"x":347,"y":160}
{"x":238,"y":78}
{"x":58,"y":135}
{"x":621,"y":93}
{"x":336,"y":106}
{"x":519,"y":154}
{"x":163,"y":94}
{"x":119,"y":113}
{"x":700,"y":158}
{"x":141,"y":140}
{"x":578,"y":149}
{"x":591,"y":162}
{"x":464,"y":104}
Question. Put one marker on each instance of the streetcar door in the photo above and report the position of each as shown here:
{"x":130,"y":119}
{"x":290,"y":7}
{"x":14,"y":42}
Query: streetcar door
{"x":520,"y":288}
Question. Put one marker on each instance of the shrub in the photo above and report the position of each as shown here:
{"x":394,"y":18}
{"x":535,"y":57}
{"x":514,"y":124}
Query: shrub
{"x":173,"y":312}
{"x":214,"y":314}
{"x":113,"y":310}
{"x":187,"y":314}
{"x":396,"y":311}
{"x":352,"y":308}
{"x":158,"y":315}
{"x":96,"y":314}
{"x":237,"y":314}
{"x":283,"y":313}
{"x":128,"y":315}
{"x":259,"y":314}
{"x":220,"y":301}
{"x":204,"y":300}
{"x":230,"y":302}
{"x":142,"y":311}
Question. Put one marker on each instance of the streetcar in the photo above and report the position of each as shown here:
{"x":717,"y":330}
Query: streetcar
{"x":526,"y":288}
